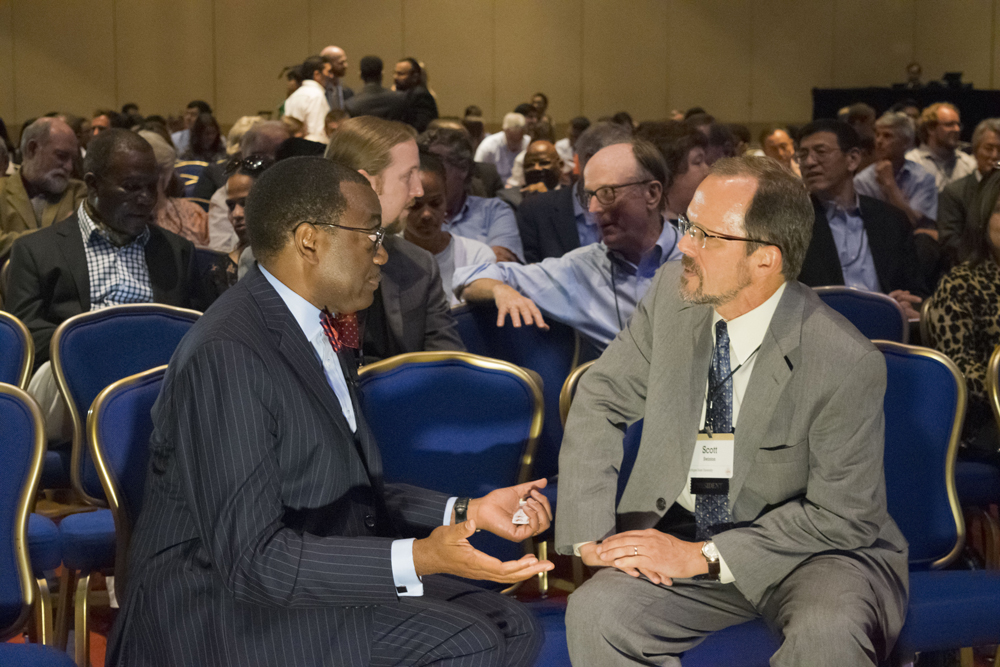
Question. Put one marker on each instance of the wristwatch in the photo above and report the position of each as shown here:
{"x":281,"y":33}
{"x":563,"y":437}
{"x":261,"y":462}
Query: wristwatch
{"x":461,"y":509}
{"x":711,"y":554}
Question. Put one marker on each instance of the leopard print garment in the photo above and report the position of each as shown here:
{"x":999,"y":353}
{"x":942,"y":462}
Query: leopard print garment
{"x":964,"y":319}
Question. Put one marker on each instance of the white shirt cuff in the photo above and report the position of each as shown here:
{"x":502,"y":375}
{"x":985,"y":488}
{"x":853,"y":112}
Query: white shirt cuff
{"x":725,"y":574}
{"x":576,"y":547}
{"x":404,"y":574}
{"x":449,"y":506}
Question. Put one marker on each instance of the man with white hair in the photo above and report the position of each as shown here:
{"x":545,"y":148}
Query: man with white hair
{"x":337,"y":94}
{"x":41,"y":191}
{"x":895,"y":179}
{"x":501,"y":148}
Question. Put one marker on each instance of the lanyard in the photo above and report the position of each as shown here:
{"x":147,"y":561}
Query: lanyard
{"x":712,"y":391}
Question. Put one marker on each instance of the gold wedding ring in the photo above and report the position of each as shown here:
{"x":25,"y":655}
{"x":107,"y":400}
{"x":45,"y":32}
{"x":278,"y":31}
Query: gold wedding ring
{"x":636,"y":550}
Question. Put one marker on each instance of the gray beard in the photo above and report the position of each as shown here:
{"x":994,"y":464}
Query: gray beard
{"x":699,"y":298}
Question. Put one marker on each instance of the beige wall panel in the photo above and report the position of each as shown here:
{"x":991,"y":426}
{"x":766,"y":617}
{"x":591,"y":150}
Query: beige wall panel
{"x":792,"y":49}
{"x":254,"y":39}
{"x":954,"y":38}
{"x":369,"y":28}
{"x":454,"y":39}
{"x":872,"y":42}
{"x":164,"y":54}
{"x":709,"y":43}
{"x":64,"y":56}
{"x":538,"y":48}
{"x":625,"y":58}
{"x":7,"y":109}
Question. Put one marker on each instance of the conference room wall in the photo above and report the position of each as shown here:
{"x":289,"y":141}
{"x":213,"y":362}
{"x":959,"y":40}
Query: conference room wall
{"x":753,"y":61}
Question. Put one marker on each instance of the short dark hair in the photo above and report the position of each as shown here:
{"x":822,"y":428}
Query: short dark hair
{"x":130,"y":108}
{"x":473,"y":110}
{"x":975,"y":247}
{"x":600,"y":135}
{"x":720,"y":136}
{"x":433,"y":164}
{"x":417,"y":69}
{"x":457,"y":142}
{"x":771,"y":129}
{"x":296,"y":190}
{"x":371,"y":69}
{"x":847,"y":136}
{"x":740,"y":131}
{"x":675,"y":141}
{"x":780,"y":211}
{"x":695,"y":111}
{"x":526,"y":109}
{"x":699,"y":119}
{"x":580,"y":124}
{"x":623,"y":118}
{"x":105,"y":145}
{"x":311,"y":65}
{"x":545,"y":98}
{"x":292,"y":73}
{"x":201,"y":104}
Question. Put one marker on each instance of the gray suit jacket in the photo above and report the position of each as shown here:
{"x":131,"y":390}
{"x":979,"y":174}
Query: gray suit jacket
{"x":809,"y":439}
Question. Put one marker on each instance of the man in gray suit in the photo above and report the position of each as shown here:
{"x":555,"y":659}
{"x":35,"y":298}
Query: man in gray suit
{"x":758,"y":487}
{"x":374,"y":100}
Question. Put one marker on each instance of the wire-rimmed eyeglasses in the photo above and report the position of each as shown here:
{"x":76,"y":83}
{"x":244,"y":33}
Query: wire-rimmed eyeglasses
{"x":700,"y":236}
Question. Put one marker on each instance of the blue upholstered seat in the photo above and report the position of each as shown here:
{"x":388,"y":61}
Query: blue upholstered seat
{"x":88,"y":540}
{"x":876,"y":315}
{"x":44,"y":545}
{"x":17,"y":351}
{"x":33,"y":655}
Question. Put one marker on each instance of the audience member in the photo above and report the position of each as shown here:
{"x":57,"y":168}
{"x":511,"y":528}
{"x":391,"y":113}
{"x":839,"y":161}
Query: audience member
{"x":624,"y":118}
{"x":175,"y":214}
{"x":777,"y":144}
{"x":857,"y":241}
{"x":424,"y":219}
{"x":939,"y":130}
{"x":956,"y":199}
{"x":530,"y":117}
{"x":374,"y":100}
{"x":553,"y":223}
{"x":420,"y":108}
{"x":309,"y":103}
{"x":541,"y":171}
{"x":410,"y":312}
{"x":800,"y":534}
{"x":567,"y":145}
{"x":895,"y":179}
{"x":540,"y":101}
{"x":473,"y":123}
{"x":333,"y":121}
{"x":721,"y":143}
{"x":337,"y":94}
{"x":542,"y":131}
{"x":4,"y":159}
{"x":700,"y":121}
{"x":595,"y":288}
{"x":253,"y":527}
{"x":909,"y":107}
{"x":488,"y":220}
{"x":741,"y":134}
{"x":40,"y":192}
{"x":501,"y":148}
{"x":108,"y":252}
{"x":293,"y":81}
{"x":236,"y":132}
{"x":205,"y":141}
{"x":684,"y":151}
{"x":182,"y":138}
{"x":295,"y":127}
{"x":963,"y":316}
{"x":105,"y":119}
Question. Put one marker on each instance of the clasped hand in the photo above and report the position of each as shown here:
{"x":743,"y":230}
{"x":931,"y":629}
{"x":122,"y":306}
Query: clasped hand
{"x":657,"y":556}
{"x":447,"y":549}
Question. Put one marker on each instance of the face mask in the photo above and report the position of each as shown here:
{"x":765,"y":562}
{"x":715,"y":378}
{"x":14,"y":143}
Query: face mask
{"x":547,"y":176}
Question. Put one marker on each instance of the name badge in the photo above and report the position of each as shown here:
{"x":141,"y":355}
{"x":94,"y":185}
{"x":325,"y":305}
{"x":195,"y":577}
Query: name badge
{"x":712,"y":463}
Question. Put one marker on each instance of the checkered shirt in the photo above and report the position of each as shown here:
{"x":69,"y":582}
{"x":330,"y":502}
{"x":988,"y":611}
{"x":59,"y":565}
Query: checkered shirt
{"x":117,"y":275}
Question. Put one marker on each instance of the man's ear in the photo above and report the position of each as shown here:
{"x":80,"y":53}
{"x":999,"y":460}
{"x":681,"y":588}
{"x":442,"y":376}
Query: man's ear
{"x":91,"y":180}
{"x":853,"y":159}
{"x":306,"y":239}
{"x":768,"y":259}
{"x":654,"y":196}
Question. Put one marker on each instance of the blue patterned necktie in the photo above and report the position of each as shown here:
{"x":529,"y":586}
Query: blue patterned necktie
{"x":711,"y":512}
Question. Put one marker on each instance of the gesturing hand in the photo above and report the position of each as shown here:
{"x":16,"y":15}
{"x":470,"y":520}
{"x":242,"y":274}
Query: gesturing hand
{"x":658,"y":556}
{"x":495,"y":510}
{"x":447,"y":550}
{"x":509,"y":300}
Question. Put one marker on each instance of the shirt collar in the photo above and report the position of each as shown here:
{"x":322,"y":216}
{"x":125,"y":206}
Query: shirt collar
{"x":661,"y":252}
{"x":832,"y":208}
{"x":462,"y":212}
{"x":312,"y":83}
{"x":305,"y":314}
{"x":746,"y":332}
{"x":89,"y":227}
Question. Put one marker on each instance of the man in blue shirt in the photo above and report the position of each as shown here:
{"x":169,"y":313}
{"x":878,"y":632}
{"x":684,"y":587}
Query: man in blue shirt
{"x":896,"y":180}
{"x":594,"y":288}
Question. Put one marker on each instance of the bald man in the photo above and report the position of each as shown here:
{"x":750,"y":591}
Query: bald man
{"x":337,"y":94}
{"x":40,"y":191}
{"x":542,"y":167}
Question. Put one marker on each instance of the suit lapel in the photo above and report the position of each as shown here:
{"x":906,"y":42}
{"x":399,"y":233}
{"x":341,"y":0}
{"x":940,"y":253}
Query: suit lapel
{"x":881,"y":247}
{"x":771,"y":372}
{"x":17,"y":199}
{"x":69,"y":241}
{"x":393,"y":277}
{"x":562,"y":213}
{"x":822,"y":252}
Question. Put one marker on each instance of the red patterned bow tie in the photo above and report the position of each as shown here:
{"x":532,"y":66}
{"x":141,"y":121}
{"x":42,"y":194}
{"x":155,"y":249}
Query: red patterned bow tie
{"x":341,"y":330}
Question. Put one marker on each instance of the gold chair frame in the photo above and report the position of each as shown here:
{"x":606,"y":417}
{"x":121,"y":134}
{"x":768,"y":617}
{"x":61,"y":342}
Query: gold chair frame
{"x":36,"y":603}
{"x":78,"y":444}
{"x":29,"y":349}
{"x":871,"y":296}
{"x":568,"y":390}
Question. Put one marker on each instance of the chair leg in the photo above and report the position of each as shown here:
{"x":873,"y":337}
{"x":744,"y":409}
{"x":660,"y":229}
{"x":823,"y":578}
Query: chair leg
{"x":67,"y":582}
{"x":966,"y":657}
{"x":42,"y":621}
{"x":81,"y":633}
{"x":543,"y":577}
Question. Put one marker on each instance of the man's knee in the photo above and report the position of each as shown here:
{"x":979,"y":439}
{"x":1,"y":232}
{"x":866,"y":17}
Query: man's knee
{"x":849,"y":628}
{"x":596,"y":612}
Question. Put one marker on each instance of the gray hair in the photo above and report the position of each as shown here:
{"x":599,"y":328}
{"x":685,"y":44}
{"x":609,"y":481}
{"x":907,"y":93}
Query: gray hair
{"x":262,"y":137}
{"x":900,"y":122}
{"x":598,"y":136}
{"x":39,"y":131}
{"x":780,"y":211}
{"x":989,"y":124}
{"x":512,"y":120}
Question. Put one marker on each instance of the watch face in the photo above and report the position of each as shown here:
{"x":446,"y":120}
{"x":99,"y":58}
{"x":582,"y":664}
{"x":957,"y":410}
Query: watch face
{"x":710,"y":551}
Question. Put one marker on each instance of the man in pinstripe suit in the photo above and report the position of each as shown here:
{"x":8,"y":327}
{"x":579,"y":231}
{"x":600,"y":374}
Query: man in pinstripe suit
{"x":267,"y":535}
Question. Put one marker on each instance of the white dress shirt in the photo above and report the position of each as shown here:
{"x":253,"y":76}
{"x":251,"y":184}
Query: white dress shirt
{"x":493,"y":149}
{"x":309,"y":105}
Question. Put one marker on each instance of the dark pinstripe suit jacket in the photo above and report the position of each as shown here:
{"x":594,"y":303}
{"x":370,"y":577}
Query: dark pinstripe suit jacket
{"x":265,"y":532}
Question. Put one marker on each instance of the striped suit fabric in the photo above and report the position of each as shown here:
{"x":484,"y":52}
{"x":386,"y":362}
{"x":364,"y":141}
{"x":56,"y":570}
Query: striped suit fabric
{"x":266,"y":529}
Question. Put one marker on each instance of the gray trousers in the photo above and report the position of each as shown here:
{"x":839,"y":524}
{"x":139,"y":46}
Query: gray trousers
{"x":832,"y":610}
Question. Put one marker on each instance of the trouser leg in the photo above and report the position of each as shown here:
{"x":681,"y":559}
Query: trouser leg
{"x":616,"y":619}
{"x":455,"y":624}
{"x":45,"y":390}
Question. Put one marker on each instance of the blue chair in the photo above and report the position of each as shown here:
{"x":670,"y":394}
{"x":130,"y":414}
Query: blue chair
{"x":454,"y":422}
{"x":189,"y":172}
{"x":17,"y":351}
{"x":22,"y":451}
{"x":875,"y":315}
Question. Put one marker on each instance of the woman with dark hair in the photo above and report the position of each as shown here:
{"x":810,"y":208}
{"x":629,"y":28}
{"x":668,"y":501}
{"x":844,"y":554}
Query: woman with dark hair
{"x":206,"y":140}
{"x":964,"y":312}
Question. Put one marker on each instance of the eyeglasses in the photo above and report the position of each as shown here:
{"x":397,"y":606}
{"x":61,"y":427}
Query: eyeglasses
{"x":700,"y":236}
{"x":606,"y":195}
{"x":376,"y":235}
{"x":252,"y":165}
